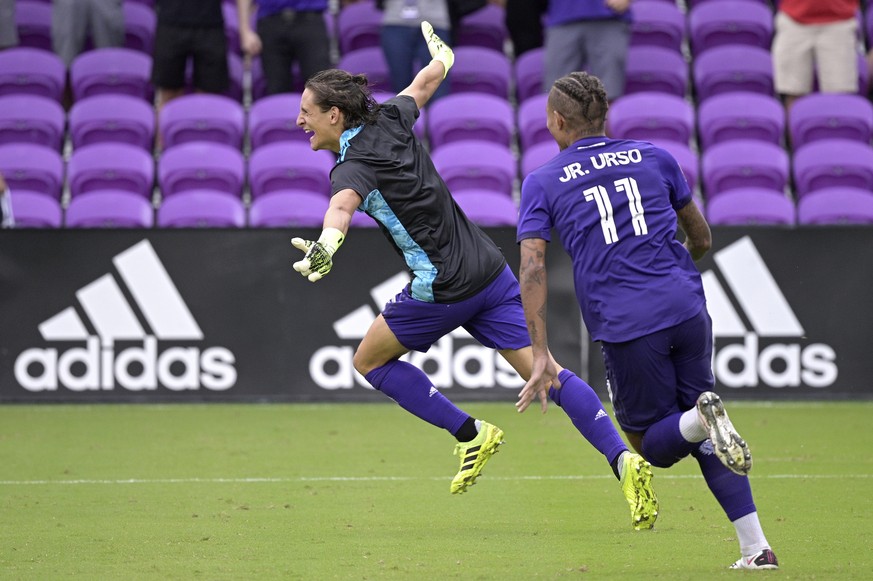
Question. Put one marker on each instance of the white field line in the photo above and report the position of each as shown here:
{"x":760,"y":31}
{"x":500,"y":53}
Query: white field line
{"x":302,"y":479}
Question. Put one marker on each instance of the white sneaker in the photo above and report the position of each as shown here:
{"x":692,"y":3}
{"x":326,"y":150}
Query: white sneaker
{"x":729,"y":447}
{"x":765,"y":559}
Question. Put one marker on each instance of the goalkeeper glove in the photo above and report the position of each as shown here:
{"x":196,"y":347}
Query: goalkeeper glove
{"x":439,"y":51}
{"x":319,"y":254}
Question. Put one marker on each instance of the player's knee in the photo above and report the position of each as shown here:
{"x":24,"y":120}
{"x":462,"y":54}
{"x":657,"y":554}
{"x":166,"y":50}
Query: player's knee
{"x":365,"y":362}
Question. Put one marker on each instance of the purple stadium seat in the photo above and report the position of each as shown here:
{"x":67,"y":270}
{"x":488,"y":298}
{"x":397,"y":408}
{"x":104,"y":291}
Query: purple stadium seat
{"x":113,"y":118}
{"x":274,"y":118}
{"x":202,"y":209}
{"x":461,"y":116}
{"x":536,"y":155}
{"x":31,"y":119}
{"x":658,"y":23}
{"x":290,"y":165}
{"x":532,"y":121}
{"x":654,"y":68}
{"x":729,"y":22}
{"x":201,"y":165}
{"x":740,"y":115}
{"x":32,"y":71}
{"x":487,"y":208}
{"x":751,"y":207}
{"x":35,"y":210}
{"x":651,"y":115}
{"x":528,"y":74}
{"x":202,"y":117}
{"x":836,"y":206}
{"x":481,"y":70}
{"x":111,"y":70}
{"x":36,"y":168}
{"x":485,"y":27}
{"x":140,"y":22}
{"x":826,"y":163}
{"x":743,"y":163}
{"x":111,"y":166}
{"x":34,"y":23}
{"x":729,"y":68}
{"x":828,"y":116}
{"x":110,"y":209}
{"x":476,"y":164}
{"x":369,"y":61}
{"x":687,"y":159}
{"x":358,"y":25}
{"x":286,"y":208}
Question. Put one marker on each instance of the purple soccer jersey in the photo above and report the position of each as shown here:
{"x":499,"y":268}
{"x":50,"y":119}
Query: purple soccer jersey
{"x":613,"y":204}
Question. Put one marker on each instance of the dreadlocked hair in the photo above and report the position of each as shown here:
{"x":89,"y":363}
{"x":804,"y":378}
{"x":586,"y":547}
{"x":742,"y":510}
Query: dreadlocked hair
{"x":581,"y":99}
{"x":349,"y":93}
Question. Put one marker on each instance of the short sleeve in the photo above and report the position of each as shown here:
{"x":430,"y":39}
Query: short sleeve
{"x":353,"y":175}
{"x":534,"y":217}
{"x":680,"y":192}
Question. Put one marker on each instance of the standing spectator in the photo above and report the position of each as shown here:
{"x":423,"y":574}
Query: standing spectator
{"x":75,"y":21}
{"x":592,"y":36}
{"x":459,"y":276}
{"x":288,"y":31}
{"x":640,"y":294}
{"x":815,"y":40}
{"x":524,"y":21}
{"x":189,"y":29}
{"x":402,"y":41}
{"x":8,"y":30}
{"x":6,"y":219}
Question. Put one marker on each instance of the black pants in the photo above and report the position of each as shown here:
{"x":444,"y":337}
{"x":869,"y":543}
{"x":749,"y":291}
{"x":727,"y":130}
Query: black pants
{"x":290,"y":37}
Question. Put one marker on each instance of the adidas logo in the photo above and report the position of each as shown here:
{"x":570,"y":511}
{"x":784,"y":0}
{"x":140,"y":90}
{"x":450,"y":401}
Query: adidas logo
{"x":118,"y":349}
{"x":433,"y":391}
{"x":600,"y":414}
{"x":764,"y":317}
{"x":455,"y":360}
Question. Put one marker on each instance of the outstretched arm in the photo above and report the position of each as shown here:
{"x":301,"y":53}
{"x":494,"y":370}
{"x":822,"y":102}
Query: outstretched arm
{"x":318,"y":260}
{"x":534,"y":296}
{"x":428,"y":79}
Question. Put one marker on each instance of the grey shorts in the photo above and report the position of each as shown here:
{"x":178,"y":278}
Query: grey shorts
{"x":803,"y":53}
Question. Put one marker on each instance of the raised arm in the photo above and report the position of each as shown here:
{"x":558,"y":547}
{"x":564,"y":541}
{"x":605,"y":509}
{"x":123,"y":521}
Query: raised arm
{"x":428,"y":79}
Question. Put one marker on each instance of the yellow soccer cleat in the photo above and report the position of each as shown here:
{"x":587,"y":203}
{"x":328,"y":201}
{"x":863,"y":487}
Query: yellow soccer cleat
{"x":636,"y":483}
{"x":474,"y":454}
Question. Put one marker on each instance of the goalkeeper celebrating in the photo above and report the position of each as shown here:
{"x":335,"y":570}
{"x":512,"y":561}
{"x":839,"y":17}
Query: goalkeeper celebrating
{"x":459,"y":276}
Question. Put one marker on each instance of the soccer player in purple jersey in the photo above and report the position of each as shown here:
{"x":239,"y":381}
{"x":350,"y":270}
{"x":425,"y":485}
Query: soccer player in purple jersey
{"x":616,"y":204}
{"x":459,"y":276}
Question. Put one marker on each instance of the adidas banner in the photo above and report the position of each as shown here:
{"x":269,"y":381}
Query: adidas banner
{"x":219,"y":315}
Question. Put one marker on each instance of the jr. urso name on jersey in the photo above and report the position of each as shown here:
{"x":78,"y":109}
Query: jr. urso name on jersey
{"x":601,"y":161}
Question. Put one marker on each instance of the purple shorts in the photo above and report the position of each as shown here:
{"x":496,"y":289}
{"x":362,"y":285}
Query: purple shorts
{"x":661,"y":373}
{"x":494,"y":317}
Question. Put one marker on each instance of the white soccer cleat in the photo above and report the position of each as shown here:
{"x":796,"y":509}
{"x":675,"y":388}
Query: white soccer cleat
{"x":729,"y":447}
{"x":765,"y":559}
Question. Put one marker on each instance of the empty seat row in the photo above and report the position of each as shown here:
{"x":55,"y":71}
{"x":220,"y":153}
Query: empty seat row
{"x":766,"y":207}
{"x":214,"y":209}
{"x":740,"y":115}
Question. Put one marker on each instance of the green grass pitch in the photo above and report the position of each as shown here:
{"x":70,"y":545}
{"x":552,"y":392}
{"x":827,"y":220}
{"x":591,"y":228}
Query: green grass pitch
{"x":348,"y":491}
